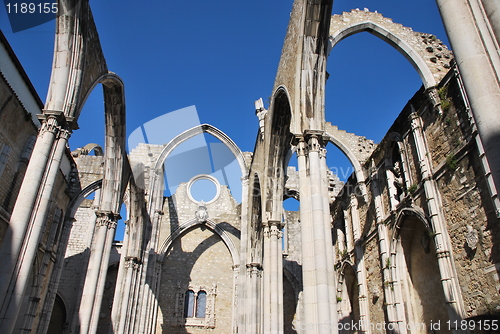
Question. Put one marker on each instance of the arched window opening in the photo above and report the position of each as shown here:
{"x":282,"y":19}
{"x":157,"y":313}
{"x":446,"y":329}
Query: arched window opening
{"x":195,"y":304}
{"x":189,"y":304}
{"x":201,"y":304}
{"x":57,"y":322}
{"x":419,"y":274}
{"x":348,"y":299}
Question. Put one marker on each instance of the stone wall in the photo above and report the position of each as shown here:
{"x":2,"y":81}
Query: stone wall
{"x":469,"y":218}
{"x":17,"y":137}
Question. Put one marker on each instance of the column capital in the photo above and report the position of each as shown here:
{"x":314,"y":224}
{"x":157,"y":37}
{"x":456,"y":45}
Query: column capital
{"x":51,"y":121}
{"x":301,"y":145}
{"x":132,"y":262}
{"x":414,"y":120}
{"x":273,"y":228}
{"x":254,"y":269}
{"x":314,"y":139}
{"x":107,"y":218}
{"x":64,"y":133}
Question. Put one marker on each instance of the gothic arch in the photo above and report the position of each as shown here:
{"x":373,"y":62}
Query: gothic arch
{"x":416,"y":270}
{"x":279,"y":136}
{"x":358,"y":170}
{"x":255,"y":227}
{"x":78,"y":59}
{"x":348,"y":294}
{"x":407,"y":212}
{"x":183,"y":228}
{"x":202,"y":128}
{"x":75,"y":203}
{"x":423,"y":51}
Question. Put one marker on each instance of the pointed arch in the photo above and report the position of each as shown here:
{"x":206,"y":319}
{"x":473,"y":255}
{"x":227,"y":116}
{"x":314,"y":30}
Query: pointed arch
{"x":423,"y":51}
{"x":279,"y":136}
{"x":183,"y":228}
{"x":194,"y":131}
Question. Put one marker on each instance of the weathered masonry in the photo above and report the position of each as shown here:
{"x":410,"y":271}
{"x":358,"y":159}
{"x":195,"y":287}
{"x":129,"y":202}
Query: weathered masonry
{"x":409,"y":241}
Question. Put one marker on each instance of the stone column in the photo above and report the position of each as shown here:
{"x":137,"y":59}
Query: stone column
{"x":476,"y":54}
{"x":364,"y":311}
{"x":131,"y":266}
{"x":308,"y":272}
{"x":236,"y":289}
{"x":96,"y":273}
{"x":121,"y":280}
{"x":254,"y":273}
{"x":330,"y":256}
{"x":243,"y":277}
{"x":266,"y":281}
{"x":395,"y":307}
{"x":492,"y":9}
{"x":451,"y":287}
{"x":274,"y":267}
{"x":318,"y":313}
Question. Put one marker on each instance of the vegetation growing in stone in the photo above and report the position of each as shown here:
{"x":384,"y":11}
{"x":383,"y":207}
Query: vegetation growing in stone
{"x":451,"y":162}
{"x":443,"y":95}
{"x":413,"y":188}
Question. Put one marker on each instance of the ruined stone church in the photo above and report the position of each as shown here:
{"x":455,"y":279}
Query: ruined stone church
{"x":408,"y":244}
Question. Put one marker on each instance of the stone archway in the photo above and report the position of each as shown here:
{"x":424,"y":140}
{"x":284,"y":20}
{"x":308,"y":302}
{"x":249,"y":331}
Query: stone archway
{"x":348,"y":298}
{"x":417,"y":271}
{"x":430,"y":58}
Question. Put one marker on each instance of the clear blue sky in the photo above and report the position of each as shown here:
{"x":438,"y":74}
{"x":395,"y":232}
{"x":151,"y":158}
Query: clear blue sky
{"x":222,"y":55}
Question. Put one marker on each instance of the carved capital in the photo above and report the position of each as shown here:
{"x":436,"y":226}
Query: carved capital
{"x":254,"y":269}
{"x":414,"y":121}
{"x":314,"y":139}
{"x":132,"y":262}
{"x":301,"y":147}
{"x":272,"y":228}
{"x":49,"y":124}
{"x":107,"y":218}
{"x":64,"y":134}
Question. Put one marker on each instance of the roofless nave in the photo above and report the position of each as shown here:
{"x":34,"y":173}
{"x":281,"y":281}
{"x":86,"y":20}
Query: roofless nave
{"x":408,"y":242}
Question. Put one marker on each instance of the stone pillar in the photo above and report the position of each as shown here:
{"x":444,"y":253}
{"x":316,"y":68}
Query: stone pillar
{"x":451,"y":287}
{"x":364,"y":311}
{"x":254,"y":274}
{"x":234,"y":312}
{"x":21,"y":240}
{"x":96,"y":273}
{"x":266,"y":281}
{"x":131,"y":266}
{"x":243,"y":277}
{"x":330,"y":256}
{"x":476,"y":54}
{"x":274,"y":309}
{"x":318,"y":313}
{"x":492,"y":9}
{"x":395,"y":308}
{"x":308,"y":272}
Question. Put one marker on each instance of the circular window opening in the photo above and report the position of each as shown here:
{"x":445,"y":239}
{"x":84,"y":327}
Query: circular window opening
{"x":203,"y":188}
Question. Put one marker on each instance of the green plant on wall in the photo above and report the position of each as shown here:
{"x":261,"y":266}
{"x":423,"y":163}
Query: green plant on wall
{"x":413,"y":188}
{"x":451,"y":162}
{"x":445,"y":103}
{"x":443,"y":92}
